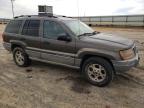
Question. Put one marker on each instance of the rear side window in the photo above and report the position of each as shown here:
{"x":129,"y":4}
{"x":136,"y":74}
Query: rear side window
{"x":31,"y":28}
{"x":14,"y":26}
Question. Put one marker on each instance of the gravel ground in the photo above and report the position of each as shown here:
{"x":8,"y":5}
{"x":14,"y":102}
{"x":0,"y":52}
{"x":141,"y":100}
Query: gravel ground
{"x":49,"y":86}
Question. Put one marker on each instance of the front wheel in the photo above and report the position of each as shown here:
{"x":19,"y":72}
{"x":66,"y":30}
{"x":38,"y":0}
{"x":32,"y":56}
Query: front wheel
{"x":20,"y":57}
{"x":97,"y":71}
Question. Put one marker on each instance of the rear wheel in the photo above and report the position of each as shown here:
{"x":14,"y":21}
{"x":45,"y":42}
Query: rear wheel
{"x":97,"y":71}
{"x":20,"y":57}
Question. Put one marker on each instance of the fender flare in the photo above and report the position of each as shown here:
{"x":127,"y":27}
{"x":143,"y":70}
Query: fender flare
{"x":17,"y":42}
{"x":90,"y":51}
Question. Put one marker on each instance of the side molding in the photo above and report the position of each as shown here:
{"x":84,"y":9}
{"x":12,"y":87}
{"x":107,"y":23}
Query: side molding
{"x":90,"y":51}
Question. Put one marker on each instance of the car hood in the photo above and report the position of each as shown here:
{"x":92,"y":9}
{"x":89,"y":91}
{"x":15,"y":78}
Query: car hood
{"x":111,"y":38}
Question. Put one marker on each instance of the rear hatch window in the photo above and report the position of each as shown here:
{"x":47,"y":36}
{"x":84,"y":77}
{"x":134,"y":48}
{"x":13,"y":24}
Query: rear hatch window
{"x":14,"y":26}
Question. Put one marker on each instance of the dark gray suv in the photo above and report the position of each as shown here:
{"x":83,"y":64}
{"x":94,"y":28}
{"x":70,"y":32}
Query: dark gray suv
{"x":69,"y":42}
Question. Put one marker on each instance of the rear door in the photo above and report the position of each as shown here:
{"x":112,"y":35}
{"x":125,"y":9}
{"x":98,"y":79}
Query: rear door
{"x":30,"y":35}
{"x":56,"y":50}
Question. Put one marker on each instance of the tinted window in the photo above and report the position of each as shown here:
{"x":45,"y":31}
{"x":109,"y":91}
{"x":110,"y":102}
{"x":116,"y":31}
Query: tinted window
{"x":31,"y":28}
{"x":14,"y":26}
{"x":52,"y":30}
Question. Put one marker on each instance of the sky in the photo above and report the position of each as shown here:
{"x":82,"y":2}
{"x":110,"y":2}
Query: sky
{"x":73,"y":7}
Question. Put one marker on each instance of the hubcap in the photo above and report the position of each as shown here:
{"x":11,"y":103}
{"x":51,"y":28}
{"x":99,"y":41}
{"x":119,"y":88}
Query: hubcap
{"x":19,"y":57}
{"x":96,"y":72}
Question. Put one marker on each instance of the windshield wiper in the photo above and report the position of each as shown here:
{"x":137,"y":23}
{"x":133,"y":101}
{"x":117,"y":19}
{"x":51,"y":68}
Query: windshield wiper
{"x":89,"y":34}
{"x":85,"y":34}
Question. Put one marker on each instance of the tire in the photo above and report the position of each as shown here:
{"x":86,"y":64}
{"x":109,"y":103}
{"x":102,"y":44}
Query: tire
{"x":20,"y":57}
{"x":97,"y":71}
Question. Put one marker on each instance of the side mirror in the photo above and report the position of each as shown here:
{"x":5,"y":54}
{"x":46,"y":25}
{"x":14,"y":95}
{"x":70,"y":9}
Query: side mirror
{"x":64,"y":37}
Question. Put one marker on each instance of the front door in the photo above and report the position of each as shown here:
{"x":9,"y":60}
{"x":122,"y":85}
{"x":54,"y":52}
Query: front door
{"x":55,"y":50}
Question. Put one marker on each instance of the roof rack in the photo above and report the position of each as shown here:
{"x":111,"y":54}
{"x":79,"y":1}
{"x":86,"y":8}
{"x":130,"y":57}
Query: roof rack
{"x":43,"y":15}
{"x":21,"y":16}
{"x":24,"y":16}
{"x":63,"y":16}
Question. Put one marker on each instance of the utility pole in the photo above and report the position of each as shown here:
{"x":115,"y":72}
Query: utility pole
{"x":12,"y":7}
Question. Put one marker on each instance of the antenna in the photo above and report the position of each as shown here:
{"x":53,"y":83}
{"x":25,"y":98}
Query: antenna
{"x":78,"y":15}
{"x":84,"y":12}
{"x":78,"y":8}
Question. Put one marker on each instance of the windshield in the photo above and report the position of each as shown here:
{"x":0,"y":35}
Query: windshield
{"x":78,"y":27}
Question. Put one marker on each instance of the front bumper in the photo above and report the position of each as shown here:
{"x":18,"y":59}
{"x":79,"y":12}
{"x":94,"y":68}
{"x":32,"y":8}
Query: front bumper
{"x":125,"y":65}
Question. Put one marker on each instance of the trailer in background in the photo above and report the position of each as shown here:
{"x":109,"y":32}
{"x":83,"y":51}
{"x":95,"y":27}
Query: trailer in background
{"x":4,"y":21}
{"x":121,"y":20}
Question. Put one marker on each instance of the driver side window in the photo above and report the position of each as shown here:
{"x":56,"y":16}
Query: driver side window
{"x":52,"y":30}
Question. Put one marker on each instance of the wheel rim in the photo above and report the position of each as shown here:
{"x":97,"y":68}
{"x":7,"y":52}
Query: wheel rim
{"x":19,"y":57}
{"x":96,"y":72}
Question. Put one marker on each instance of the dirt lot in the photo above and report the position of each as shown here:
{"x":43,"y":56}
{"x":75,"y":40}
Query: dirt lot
{"x":48,"y":86}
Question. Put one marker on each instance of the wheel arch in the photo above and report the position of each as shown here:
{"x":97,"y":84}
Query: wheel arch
{"x":87,"y":56}
{"x":17,"y":44}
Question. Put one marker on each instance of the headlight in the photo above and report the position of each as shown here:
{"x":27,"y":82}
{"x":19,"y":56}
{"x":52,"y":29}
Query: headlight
{"x":127,"y":54}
